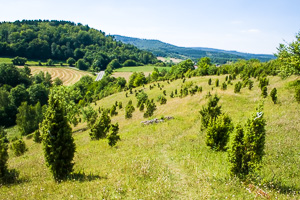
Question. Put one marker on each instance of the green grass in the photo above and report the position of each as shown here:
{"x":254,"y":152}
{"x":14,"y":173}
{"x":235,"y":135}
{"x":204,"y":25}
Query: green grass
{"x":29,"y":62}
{"x":170,"y":160}
{"x":146,"y":68}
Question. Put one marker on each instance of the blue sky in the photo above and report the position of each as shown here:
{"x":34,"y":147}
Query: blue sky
{"x":252,"y":26}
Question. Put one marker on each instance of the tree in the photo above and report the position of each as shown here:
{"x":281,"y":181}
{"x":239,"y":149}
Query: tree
{"x":113,"y":111}
{"x":273,"y":95}
{"x":250,"y":84}
{"x":89,"y":115}
{"x":3,"y":152}
{"x":224,"y":86}
{"x":237,"y":152}
{"x":218,"y":132}
{"x":71,"y":61}
{"x":217,"y":83}
{"x":38,"y":93}
{"x":289,"y":56}
{"x":19,"y":147}
{"x":113,"y":136}
{"x":82,"y":65}
{"x":57,"y":81}
{"x":151,"y":107}
{"x":247,"y":150}
{"x":50,"y":62}
{"x":237,"y":87}
{"x":18,"y":95}
{"x":142,"y":97}
{"x":58,"y":143}
{"x":100,"y":127}
{"x":264,"y":92}
{"x":19,"y":61}
{"x":129,"y":109}
{"x":209,"y":81}
{"x":211,"y":111}
{"x":29,"y":117}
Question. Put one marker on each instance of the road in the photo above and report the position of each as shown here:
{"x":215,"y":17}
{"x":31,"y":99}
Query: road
{"x":100,"y":75}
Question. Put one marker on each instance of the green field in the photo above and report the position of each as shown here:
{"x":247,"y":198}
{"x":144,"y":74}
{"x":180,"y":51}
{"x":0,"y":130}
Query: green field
{"x":170,"y":160}
{"x":146,"y":68}
{"x":29,"y":62}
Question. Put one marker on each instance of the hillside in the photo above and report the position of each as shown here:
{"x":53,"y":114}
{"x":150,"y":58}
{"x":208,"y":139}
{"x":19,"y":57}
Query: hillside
{"x":162,"y":49}
{"x":60,"y":40}
{"x":170,"y":160}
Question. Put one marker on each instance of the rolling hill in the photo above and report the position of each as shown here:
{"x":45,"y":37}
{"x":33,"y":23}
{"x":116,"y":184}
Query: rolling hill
{"x":170,"y":160}
{"x":162,"y":49}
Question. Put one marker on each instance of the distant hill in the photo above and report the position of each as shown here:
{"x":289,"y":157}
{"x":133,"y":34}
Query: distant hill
{"x":60,"y":40}
{"x":162,"y":49}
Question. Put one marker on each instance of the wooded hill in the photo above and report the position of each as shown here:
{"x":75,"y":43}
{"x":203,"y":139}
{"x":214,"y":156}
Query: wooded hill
{"x":60,"y":40}
{"x":160,"y":48}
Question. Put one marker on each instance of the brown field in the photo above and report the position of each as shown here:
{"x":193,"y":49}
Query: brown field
{"x":69,"y":76}
{"x":126,"y":75}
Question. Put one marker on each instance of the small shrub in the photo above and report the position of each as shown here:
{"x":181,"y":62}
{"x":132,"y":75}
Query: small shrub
{"x":273,"y":95}
{"x":172,"y":94}
{"x":113,"y":111}
{"x":113,"y":136}
{"x":264,"y":92}
{"x":151,"y":107}
{"x":217,"y":83}
{"x":209,"y":81}
{"x":250,"y":84}
{"x":101,"y":127}
{"x":165,"y":93}
{"x":237,"y":87}
{"x":120,"y":105}
{"x":224,"y":86}
{"x":161,"y":99}
{"x":200,"y":89}
{"x":247,"y":149}
{"x":218,"y":132}
{"x":129,"y":109}
{"x":264,"y":81}
{"x":37,"y":136}
{"x":297,"y":94}
{"x":19,"y":147}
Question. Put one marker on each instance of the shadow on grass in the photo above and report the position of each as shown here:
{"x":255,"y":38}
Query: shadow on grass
{"x":11,"y":177}
{"x":82,"y":177}
{"x":283,"y":189}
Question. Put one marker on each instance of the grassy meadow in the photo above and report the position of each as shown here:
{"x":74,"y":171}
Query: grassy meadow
{"x":127,"y":71}
{"x":170,"y":160}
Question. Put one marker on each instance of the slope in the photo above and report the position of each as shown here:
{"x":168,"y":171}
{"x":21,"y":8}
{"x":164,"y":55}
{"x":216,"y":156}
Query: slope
{"x":170,"y":160}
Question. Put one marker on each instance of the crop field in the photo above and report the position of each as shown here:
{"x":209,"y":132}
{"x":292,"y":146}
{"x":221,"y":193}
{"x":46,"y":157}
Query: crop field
{"x":127,"y":71}
{"x":69,"y":76}
{"x":170,"y":160}
{"x":146,"y":68}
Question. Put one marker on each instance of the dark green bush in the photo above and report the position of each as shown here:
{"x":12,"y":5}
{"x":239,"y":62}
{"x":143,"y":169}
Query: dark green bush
{"x":129,"y":109}
{"x":237,"y":87}
{"x":218,"y":132}
{"x":19,"y":147}
{"x":273,"y":95}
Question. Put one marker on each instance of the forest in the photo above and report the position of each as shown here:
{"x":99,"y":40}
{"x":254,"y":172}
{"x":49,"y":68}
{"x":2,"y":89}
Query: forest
{"x":62,"y":40}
